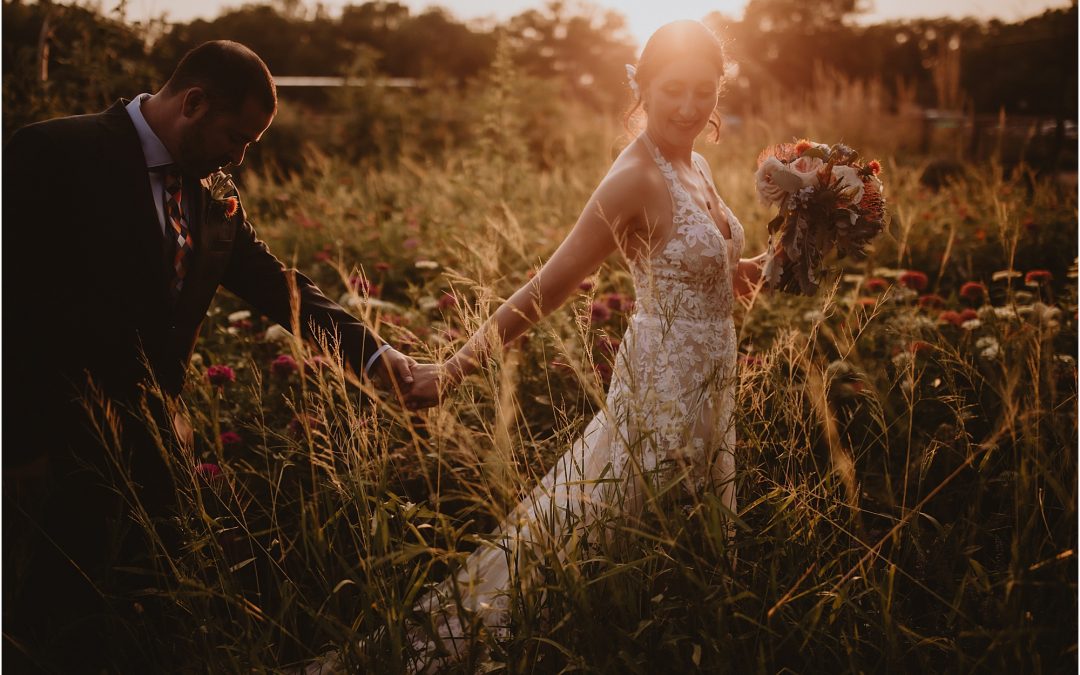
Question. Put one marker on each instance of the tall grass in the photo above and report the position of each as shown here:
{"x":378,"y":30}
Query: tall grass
{"x":907,"y":486}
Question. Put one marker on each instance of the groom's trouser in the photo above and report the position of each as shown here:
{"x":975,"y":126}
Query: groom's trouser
{"x":75,"y":559}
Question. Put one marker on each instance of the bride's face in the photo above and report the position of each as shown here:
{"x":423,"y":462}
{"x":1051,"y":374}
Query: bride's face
{"x":680,"y":99}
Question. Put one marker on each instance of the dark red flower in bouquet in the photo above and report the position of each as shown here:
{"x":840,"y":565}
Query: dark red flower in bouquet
{"x":802,"y":146}
{"x":283,"y":366}
{"x":914,"y":280}
{"x":932,"y":300}
{"x":872,"y":203}
{"x":230,"y":438}
{"x":599,"y":312}
{"x":220,"y":375}
{"x":973,"y":291}
{"x":232,"y":205}
{"x":874,"y":166}
{"x":1038,"y":277}
{"x":951,"y":317}
{"x":875,"y":284}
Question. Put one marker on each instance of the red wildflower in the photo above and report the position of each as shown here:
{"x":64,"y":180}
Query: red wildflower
{"x":615,"y":301}
{"x":875,"y":284}
{"x":867,"y":303}
{"x":284,"y":366}
{"x":931,"y":300}
{"x":949,"y":316}
{"x":208,"y":471}
{"x":316,"y":363}
{"x":599,"y":312}
{"x":920,"y":347}
{"x":446,"y":301}
{"x":362,"y":286}
{"x":1038,"y":277}
{"x":968,"y":314}
{"x":382,"y":266}
{"x":785,"y":152}
{"x":914,"y":279}
{"x":973,"y":291}
{"x":220,"y":375}
{"x":587,"y":285}
{"x":230,"y":438}
{"x":749,"y":360}
{"x":410,"y":243}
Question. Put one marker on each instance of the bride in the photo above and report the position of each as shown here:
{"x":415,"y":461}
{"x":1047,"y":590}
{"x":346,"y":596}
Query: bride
{"x":669,"y":406}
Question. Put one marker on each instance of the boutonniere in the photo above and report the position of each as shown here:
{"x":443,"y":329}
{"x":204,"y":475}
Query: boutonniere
{"x":222,"y":191}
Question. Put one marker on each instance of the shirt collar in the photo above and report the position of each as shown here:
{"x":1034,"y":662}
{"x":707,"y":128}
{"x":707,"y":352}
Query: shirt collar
{"x":153,"y":149}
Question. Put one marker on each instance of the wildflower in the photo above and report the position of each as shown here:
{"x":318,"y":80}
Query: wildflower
{"x":603,"y":369}
{"x":230,"y":438}
{"x":323,"y":255}
{"x":920,"y":347}
{"x":969,"y":314}
{"x":587,"y":285}
{"x":284,"y":366}
{"x":359,"y":284}
{"x":973,"y":291}
{"x":867,"y":303}
{"x":931,"y":300}
{"x":426,"y":265}
{"x":599,"y":312}
{"x":608,"y":345}
{"x":813,"y":316}
{"x":208,"y":471}
{"x":875,"y":284}
{"x":615,"y":301}
{"x":410,"y":243}
{"x":1038,"y":277}
{"x":802,"y":146}
{"x":219,"y":376}
{"x":242,"y":315}
{"x":914,"y":280}
{"x":749,"y":360}
{"x":949,"y":316}
{"x":382,"y":266}
{"x":446,"y":301}
{"x":988,"y":347}
{"x":315,"y":364}
{"x":971,"y":324}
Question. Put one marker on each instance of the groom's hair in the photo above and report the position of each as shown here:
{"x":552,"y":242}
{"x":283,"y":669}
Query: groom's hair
{"x":228,"y":72}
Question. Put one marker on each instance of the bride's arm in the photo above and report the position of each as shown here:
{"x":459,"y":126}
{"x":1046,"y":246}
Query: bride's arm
{"x":604,"y":224}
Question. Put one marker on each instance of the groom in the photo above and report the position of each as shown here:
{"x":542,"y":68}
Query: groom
{"x":115,"y":248}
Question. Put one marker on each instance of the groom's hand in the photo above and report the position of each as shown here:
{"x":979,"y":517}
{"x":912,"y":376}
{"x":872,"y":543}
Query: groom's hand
{"x":393,"y":371}
{"x":426,"y":387}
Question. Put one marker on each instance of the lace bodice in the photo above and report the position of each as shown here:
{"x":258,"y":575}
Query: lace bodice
{"x":691,"y":276}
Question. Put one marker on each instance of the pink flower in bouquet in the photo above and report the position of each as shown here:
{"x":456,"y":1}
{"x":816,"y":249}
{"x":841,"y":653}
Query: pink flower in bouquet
{"x":914,"y":280}
{"x":769,"y":190}
{"x":284,"y":366}
{"x":1038,"y":277}
{"x":973,"y":291}
{"x":807,"y":169}
{"x":802,"y":146}
{"x":230,"y":438}
{"x":219,"y":376}
{"x":599,"y":312}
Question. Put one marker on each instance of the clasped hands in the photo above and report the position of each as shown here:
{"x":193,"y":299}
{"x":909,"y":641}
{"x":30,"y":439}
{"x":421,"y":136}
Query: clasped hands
{"x":420,"y":385}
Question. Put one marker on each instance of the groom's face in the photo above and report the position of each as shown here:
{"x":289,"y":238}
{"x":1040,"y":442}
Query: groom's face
{"x":216,"y":136}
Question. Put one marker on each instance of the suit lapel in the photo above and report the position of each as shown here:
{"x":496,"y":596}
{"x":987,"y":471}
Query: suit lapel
{"x":142,"y":225}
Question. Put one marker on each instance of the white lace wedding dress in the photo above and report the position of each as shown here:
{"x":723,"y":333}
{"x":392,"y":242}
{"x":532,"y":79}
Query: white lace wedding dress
{"x":668,"y":413}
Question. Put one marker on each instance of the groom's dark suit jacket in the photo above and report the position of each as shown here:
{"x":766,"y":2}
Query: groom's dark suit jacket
{"x":85,"y":291}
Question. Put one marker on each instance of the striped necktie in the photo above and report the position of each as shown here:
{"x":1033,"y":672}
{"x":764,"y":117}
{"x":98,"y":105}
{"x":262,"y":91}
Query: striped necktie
{"x":176,"y":226}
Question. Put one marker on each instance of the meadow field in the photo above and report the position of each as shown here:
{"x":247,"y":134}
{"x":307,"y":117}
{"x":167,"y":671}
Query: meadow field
{"x":907,"y":440}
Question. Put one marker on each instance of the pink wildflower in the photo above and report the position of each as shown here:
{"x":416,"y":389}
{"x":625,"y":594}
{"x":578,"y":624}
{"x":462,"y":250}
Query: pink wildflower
{"x":284,"y":366}
{"x":220,"y":375}
{"x":230,"y":438}
{"x":973,"y":291}
{"x":915,"y":280}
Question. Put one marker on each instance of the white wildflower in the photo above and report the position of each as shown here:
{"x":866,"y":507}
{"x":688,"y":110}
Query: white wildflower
{"x":971,"y":324}
{"x":242,"y":315}
{"x":277,"y":333}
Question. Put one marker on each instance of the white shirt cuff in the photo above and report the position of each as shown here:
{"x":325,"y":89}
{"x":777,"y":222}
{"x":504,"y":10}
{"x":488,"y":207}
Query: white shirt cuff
{"x":374,"y":357}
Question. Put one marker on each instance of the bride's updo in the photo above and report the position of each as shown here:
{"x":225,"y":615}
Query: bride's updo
{"x":673,"y":41}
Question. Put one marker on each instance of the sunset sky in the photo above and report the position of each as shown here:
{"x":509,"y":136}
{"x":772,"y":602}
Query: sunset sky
{"x":644,"y":16}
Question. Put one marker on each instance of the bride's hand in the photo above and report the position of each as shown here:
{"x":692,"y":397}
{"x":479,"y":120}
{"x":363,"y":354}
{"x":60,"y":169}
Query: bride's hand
{"x":426,"y":391}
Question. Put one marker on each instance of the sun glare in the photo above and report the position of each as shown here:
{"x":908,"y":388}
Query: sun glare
{"x":643,"y":18}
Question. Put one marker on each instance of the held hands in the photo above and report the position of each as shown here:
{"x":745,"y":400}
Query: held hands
{"x":394,"y":372}
{"x":427,"y":389}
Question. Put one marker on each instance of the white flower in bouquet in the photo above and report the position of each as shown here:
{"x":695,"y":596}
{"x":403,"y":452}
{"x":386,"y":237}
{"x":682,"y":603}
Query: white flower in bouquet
{"x":849,"y":183}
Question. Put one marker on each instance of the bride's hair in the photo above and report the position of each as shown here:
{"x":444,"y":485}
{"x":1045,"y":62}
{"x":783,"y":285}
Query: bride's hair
{"x":673,"y":41}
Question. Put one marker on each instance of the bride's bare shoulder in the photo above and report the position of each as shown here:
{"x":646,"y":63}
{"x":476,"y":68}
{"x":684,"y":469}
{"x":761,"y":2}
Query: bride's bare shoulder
{"x":633,"y":178}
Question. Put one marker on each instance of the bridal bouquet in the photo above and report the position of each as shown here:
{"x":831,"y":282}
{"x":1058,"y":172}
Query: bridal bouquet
{"x":828,"y":199}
